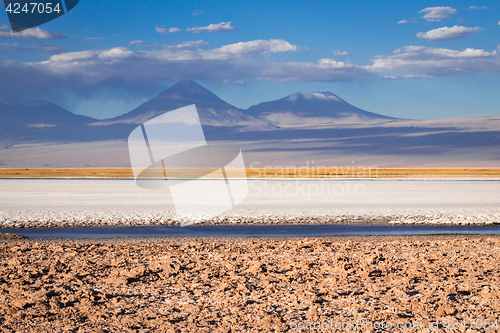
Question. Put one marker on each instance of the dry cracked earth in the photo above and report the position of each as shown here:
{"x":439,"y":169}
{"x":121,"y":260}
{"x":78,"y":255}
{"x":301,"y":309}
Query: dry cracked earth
{"x":249,"y":285}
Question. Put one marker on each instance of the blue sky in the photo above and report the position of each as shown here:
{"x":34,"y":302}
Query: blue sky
{"x":418,"y":59}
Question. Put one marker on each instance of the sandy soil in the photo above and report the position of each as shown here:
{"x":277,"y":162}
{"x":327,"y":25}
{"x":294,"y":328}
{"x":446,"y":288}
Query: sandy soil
{"x":242,"y":285}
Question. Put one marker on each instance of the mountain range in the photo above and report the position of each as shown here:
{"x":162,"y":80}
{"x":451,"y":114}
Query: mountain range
{"x":41,"y":121}
{"x":212,"y":110}
{"x":297,"y":128}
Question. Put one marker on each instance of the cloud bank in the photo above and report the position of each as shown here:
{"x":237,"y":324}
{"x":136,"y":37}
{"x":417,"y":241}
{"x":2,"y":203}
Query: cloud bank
{"x":139,"y":70}
{"x":439,"y":61}
{"x":35,"y":33}
{"x":120,"y":68}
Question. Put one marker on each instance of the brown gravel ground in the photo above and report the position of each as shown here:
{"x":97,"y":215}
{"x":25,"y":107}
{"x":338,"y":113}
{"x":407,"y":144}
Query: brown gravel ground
{"x":248,"y":284}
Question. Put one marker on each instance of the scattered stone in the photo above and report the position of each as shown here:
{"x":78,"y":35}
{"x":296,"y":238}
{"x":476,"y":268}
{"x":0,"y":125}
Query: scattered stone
{"x":244,"y":285}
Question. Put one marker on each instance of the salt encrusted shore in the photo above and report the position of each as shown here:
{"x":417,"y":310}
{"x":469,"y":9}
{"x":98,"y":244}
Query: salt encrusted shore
{"x":51,"y":203}
{"x":247,"y":285}
{"x":83,"y":219}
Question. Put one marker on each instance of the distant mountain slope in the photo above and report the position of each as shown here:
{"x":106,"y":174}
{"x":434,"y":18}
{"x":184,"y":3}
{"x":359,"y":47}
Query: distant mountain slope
{"x":316,"y":126}
{"x":35,"y":112}
{"x":312,"y":109}
{"x":213,"y":111}
{"x":39,"y":120}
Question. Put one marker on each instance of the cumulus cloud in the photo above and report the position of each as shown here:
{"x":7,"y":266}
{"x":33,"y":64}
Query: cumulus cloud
{"x":198,"y":12}
{"x":35,"y":33}
{"x":439,"y":61}
{"x":408,"y":77}
{"x":403,"y":22}
{"x":445,"y":33}
{"x":165,"y":31}
{"x":4,"y":27}
{"x":323,"y":70}
{"x":188,"y":44}
{"x":476,"y":7}
{"x":341,"y":53}
{"x":223,"y":26}
{"x":122,"y":69}
{"x":87,"y":72}
{"x":438,"y":14}
{"x":259,"y":45}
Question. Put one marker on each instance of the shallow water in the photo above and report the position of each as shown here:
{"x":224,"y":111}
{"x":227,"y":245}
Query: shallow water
{"x":252,"y":231}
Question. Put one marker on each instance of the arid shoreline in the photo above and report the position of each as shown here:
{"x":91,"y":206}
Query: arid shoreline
{"x":266,"y":172}
{"x":242,"y":284}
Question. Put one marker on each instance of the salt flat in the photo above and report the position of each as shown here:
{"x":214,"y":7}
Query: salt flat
{"x":50,"y":202}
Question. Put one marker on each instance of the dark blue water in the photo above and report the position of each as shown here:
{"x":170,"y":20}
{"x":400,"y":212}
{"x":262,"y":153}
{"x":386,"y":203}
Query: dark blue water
{"x":253,"y":231}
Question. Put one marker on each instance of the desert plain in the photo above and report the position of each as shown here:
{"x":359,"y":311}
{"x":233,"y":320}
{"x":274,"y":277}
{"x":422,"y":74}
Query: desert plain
{"x":352,"y":284}
{"x":429,"y":284}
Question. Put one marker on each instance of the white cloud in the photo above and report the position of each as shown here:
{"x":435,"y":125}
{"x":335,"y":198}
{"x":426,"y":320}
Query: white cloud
{"x":198,"y":12}
{"x":439,"y":61}
{"x":87,"y":58}
{"x":121,"y":69}
{"x":75,"y":57}
{"x":323,"y":70}
{"x":116,"y":53}
{"x":239,"y":50}
{"x":476,"y":7}
{"x":445,"y":33}
{"x":165,"y":31}
{"x":35,"y":33}
{"x":259,"y":45}
{"x":498,"y":22}
{"x":223,"y":26}
{"x":438,"y":13}
{"x":340,"y":53}
{"x":141,"y":43}
{"x":408,"y":77}
{"x":161,"y":30}
{"x":4,"y":27}
{"x":138,"y":71}
{"x":403,"y":22}
{"x":188,"y":44}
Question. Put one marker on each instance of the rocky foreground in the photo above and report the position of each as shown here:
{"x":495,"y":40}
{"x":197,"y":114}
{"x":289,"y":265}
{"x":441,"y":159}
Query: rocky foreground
{"x":241,"y":285}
